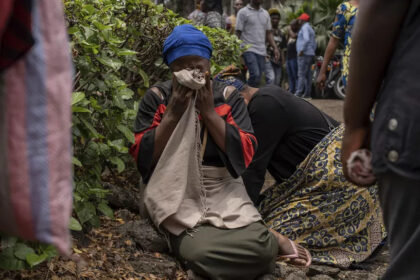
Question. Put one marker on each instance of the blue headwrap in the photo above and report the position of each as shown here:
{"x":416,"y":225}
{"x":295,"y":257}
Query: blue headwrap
{"x":186,"y":40}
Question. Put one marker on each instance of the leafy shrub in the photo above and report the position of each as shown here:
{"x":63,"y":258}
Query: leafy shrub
{"x":117,"y":47}
{"x":16,"y":254}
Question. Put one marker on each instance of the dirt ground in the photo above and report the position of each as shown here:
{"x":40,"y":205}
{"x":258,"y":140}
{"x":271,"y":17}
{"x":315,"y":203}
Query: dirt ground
{"x":332,"y":107}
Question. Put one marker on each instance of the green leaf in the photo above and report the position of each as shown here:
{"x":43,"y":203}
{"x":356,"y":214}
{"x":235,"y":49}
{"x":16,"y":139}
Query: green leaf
{"x":8,"y":241}
{"x":47,"y":249}
{"x":118,"y":101}
{"x":126,"y":93}
{"x":80,"y":110}
{"x":88,"y":33}
{"x":33,"y":259}
{"x":111,"y":62}
{"x":159,"y":62}
{"x":127,"y":132}
{"x":85,"y":212}
{"x":126,"y":52}
{"x":75,"y":225}
{"x":89,"y":127}
{"x":106,"y":210}
{"x":118,"y":145}
{"x":101,"y":26}
{"x":104,"y":149}
{"x":21,"y":250}
{"x":73,"y":30}
{"x":119,"y":163}
{"x":145,"y":77}
{"x":89,"y":9}
{"x":95,"y":222}
{"x":76,"y":97}
{"x":8,"y":261}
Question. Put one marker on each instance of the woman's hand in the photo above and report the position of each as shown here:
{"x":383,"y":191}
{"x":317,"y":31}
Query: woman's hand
{"x":320,"y":80}
{"x":353,"y":140}
{"x":180,"y":99}
{"x":205,"y":101}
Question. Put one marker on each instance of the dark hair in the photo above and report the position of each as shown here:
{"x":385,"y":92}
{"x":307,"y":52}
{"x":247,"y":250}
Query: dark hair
{"x":214,"y":5}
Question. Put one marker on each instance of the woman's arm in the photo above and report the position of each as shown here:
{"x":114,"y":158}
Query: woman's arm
{"x":378,"y":25}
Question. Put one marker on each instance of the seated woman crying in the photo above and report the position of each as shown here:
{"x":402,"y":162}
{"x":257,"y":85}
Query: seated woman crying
{"x":194,"y":140}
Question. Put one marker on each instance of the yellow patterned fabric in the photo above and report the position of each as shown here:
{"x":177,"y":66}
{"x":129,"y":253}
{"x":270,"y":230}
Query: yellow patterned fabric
{"x":342,"y":29}
{"x":318,"y":208}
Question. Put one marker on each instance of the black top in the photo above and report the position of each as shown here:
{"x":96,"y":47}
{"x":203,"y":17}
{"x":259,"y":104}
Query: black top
{"x":281,"y":43}
{"x":240,"y":141}
{"x":287,"y":129}
{"x":291,"y":50}
{"x":396,"y":129}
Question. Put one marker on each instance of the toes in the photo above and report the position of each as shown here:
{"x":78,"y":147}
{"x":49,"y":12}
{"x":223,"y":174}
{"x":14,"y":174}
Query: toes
{"x":298,"y":262}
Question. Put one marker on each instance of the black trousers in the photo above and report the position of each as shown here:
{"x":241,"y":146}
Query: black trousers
{"x":400,"y":201}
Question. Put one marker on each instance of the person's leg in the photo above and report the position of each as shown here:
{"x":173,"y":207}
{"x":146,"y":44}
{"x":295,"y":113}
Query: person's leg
{"x":294,"y":71}
{"x":261,"y":64}
{"x":289,"y":75}
{"x":242,"y":253}
{"x":252,"y":63}
{"x":302,"y":74}
{"x":308,"y":79}
{"x":269,"y":73}
{"x":277,"y":74}
{"x":399,"y":197}
{"x":306,"y":65}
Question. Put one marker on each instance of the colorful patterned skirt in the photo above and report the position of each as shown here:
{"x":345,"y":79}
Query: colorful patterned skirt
{"x":318,"y":208}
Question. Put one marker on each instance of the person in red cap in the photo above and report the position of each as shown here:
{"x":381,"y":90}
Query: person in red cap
{"x":305,"y":46}
{"x":305,"y":17}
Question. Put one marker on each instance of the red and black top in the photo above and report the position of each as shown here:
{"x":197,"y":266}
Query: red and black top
{"x":240,"y":141}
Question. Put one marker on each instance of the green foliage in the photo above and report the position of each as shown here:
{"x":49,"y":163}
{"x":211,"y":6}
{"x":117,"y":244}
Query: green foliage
{"x":16,"y":254}
{"x":117,"y":48}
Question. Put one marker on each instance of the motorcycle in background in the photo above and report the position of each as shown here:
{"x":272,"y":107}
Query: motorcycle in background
{"x":334,"y":84}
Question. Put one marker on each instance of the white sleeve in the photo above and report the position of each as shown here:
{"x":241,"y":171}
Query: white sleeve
{"x":269,"y":27}
{"x":240,"y":21}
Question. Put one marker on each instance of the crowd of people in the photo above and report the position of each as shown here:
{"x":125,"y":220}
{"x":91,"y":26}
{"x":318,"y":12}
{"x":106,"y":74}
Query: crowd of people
{"x":205,"y":142}
{"x":270,"y":48}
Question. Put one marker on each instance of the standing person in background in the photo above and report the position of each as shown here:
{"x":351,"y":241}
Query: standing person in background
{"x":193,"y":15}
{"x":231,"y":20}
{"x":291,"y":62}
{"x":384,"y":67}
{"x":211,"y":14}
{"x":305,"y":46}
{"x":342,"y":29}
{"x":253,"y":27}
{"x":274,"y":68}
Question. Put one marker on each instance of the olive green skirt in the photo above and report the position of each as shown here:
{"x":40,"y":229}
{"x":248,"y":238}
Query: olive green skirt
{"x":214,"y":253}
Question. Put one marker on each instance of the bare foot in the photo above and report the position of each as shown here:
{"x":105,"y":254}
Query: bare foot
{"x":295,"y":253}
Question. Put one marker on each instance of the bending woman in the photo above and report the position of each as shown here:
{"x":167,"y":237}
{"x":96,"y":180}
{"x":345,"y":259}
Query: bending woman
{"x":311,"y":203}
{"x":191,"y":165}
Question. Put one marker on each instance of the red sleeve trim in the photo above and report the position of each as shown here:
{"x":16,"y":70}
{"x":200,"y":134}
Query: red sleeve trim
{"x":247,"y":139}
{"x":134,"y":149}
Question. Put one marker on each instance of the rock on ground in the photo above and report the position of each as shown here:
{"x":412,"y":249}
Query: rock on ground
{"x":122,"y":198}
{"x":144,"y":234}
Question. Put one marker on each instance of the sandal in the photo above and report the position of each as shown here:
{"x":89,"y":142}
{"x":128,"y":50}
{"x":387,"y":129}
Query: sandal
{"x":295,"y":255}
